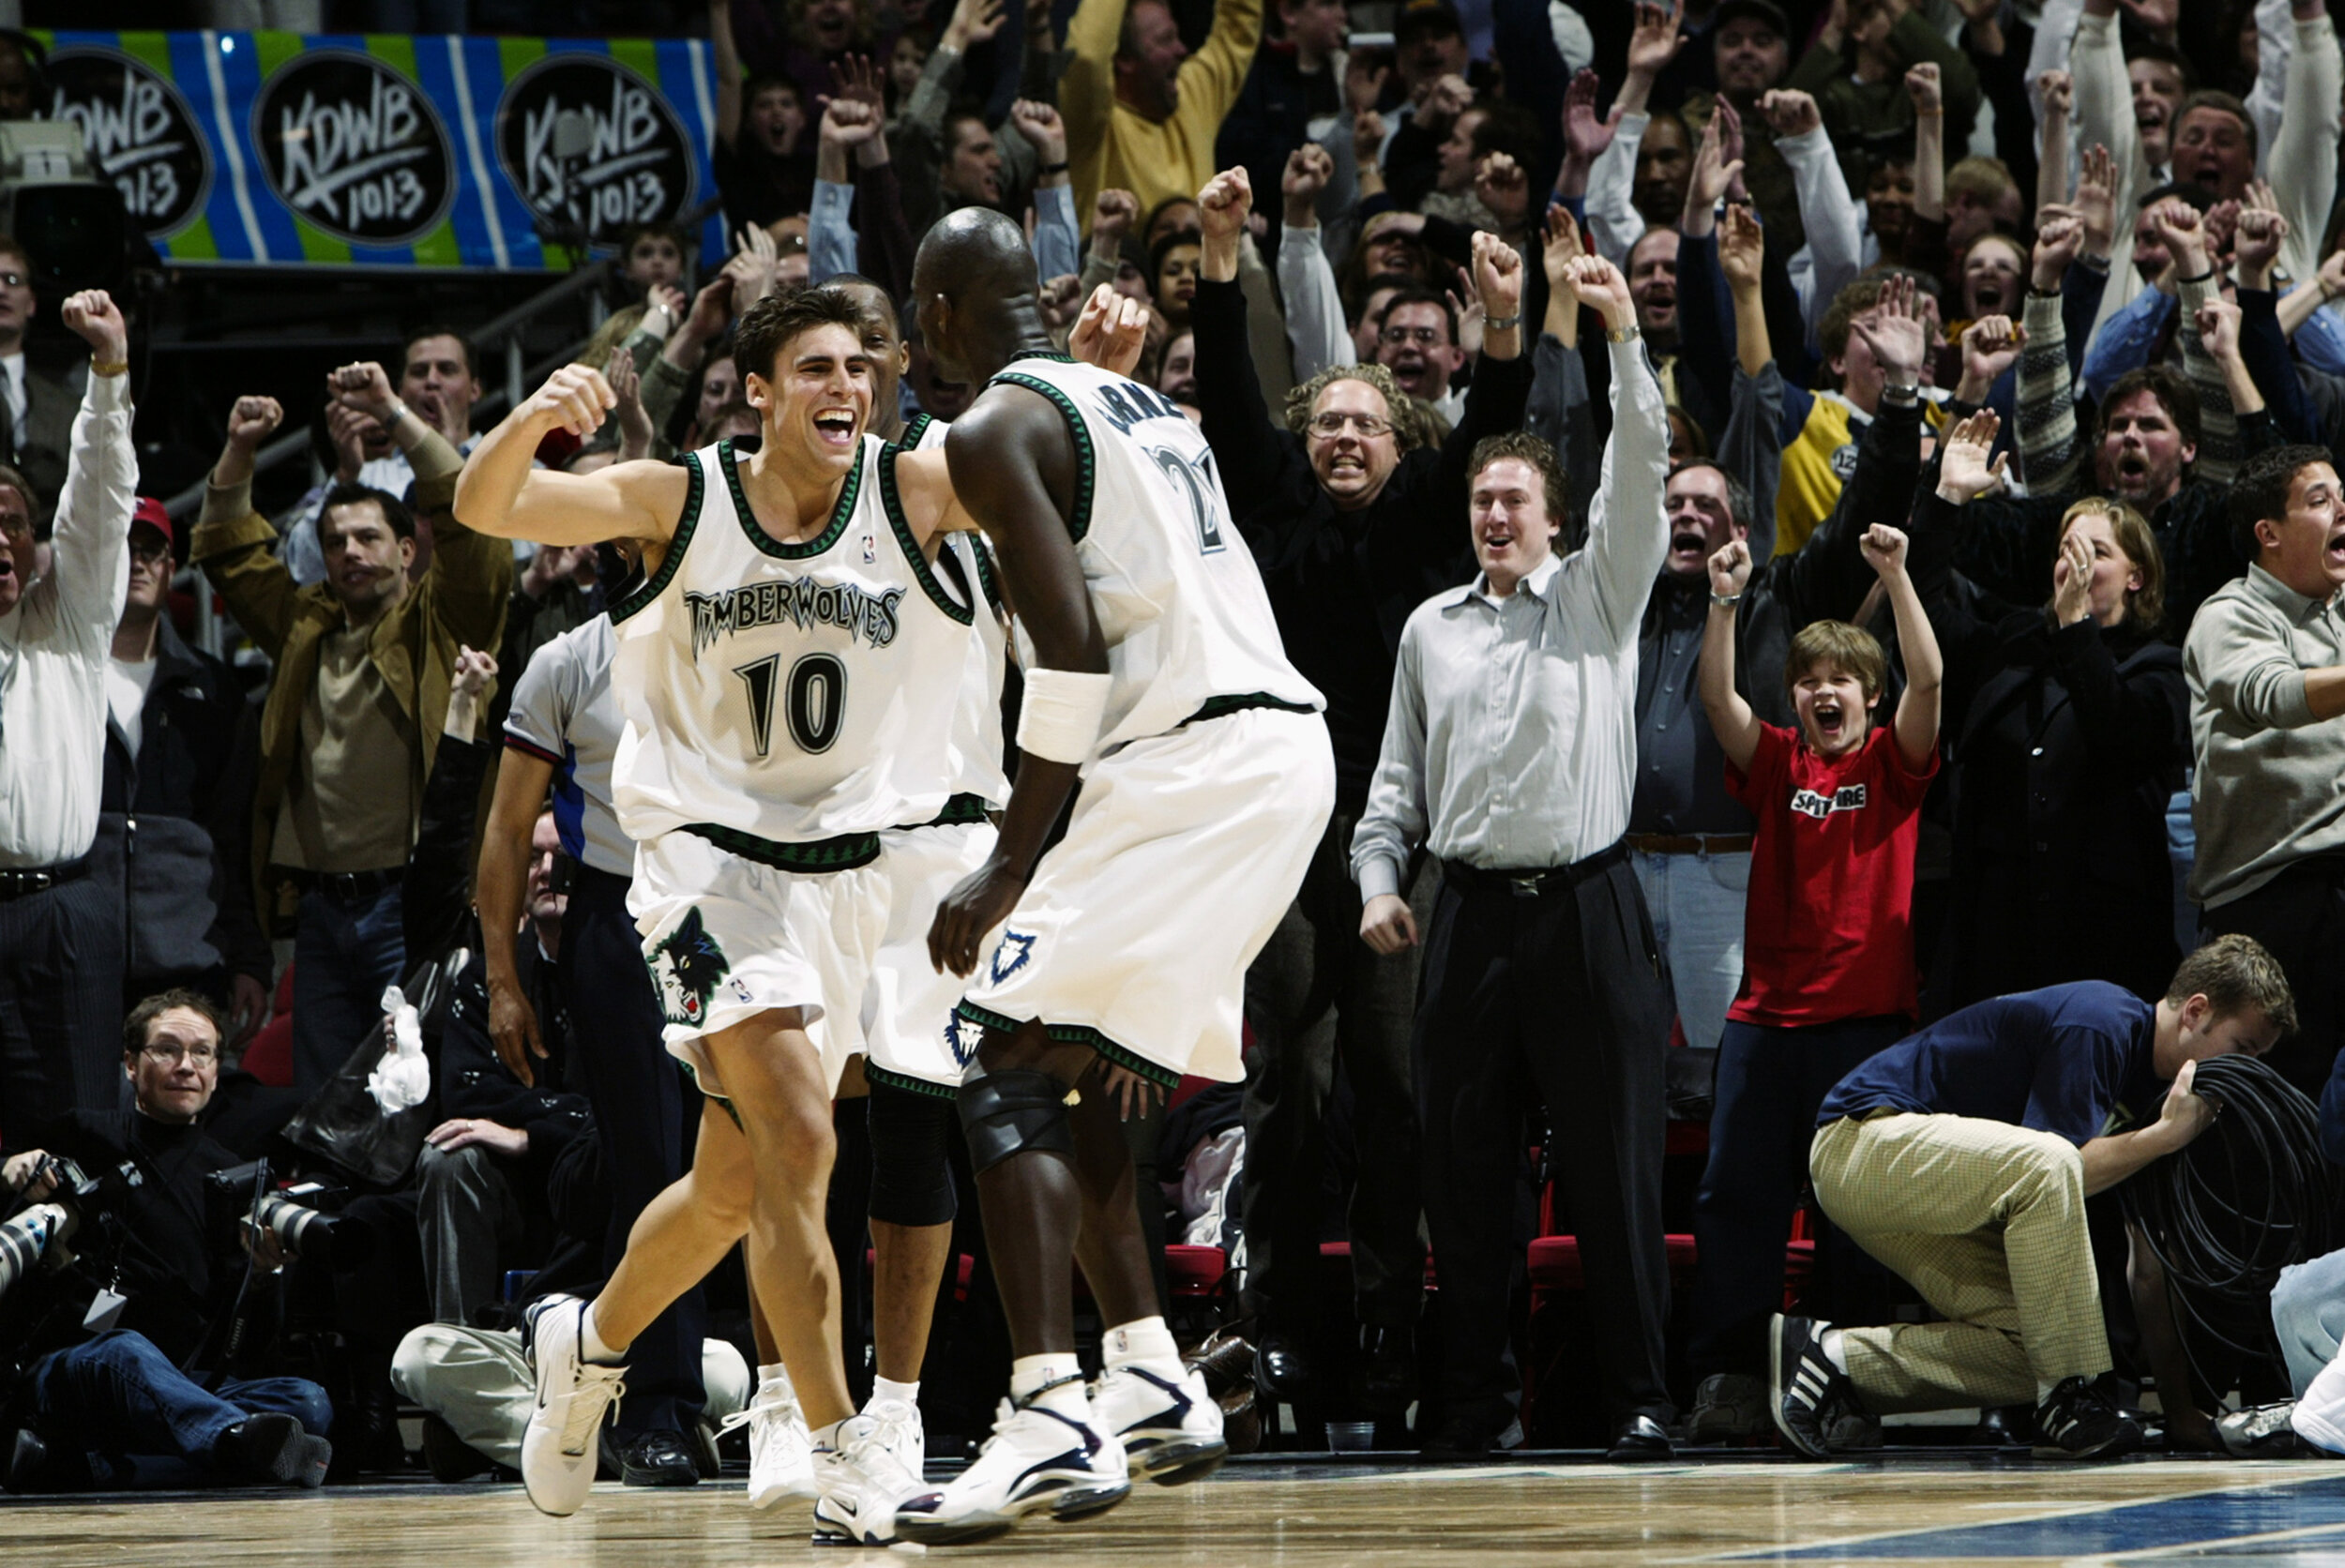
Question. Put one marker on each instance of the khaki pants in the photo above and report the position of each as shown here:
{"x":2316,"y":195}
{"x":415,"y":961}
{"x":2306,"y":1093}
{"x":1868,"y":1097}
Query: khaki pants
{"x":1986,"y":1221}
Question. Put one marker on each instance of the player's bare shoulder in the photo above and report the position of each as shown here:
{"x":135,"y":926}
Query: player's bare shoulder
{"x":660,"y":492}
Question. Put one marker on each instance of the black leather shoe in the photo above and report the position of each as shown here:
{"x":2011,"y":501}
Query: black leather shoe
{"x":1282,"y":1364}
{"x":1460,"y":1436}
{"x":659,"y":1459}
{"x":1388,"y":1368}
{"x":449,"y":1457}
{"x":1640,"y":1440}
{"x":274,"y":1447}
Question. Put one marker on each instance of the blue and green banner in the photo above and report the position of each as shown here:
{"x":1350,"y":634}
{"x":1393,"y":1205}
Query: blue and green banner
{"x":384,"y":150}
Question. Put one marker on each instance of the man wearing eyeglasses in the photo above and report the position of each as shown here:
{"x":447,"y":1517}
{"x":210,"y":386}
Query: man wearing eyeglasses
{"x":103,"y":1344}
{"x":1354,"y":514}
{"x":60,"y":938}
{"x":1418,"y":344}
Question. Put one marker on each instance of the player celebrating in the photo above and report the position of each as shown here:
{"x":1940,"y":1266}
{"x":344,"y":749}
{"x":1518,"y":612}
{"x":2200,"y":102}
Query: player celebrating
{"x":1154,"y":673}
{"x":766,"y":668}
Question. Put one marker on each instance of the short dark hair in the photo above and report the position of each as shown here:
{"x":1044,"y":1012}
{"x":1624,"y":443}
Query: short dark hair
{"x":957,"y":116}
{"x":2261,"y":491}
{"x":1164,"y":247}
{"x":349,"y":493}
{"x":440,"y":329}
{"x":1506,"y":127}
{"x":1417,"y":293}
{"x":2138,"y":47}
{"x":2169,"y":385}
{"x":136,"y":1027}
{"x":635,"y":234}
{"x":2192,"y":191}
{"x":1522,"y":447}
{"x":767,"y":326}
{"x":2222,"y":104}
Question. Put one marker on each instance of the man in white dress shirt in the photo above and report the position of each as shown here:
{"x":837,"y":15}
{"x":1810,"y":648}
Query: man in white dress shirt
{"x":1510,"y":753}
{"x":60,"y":932}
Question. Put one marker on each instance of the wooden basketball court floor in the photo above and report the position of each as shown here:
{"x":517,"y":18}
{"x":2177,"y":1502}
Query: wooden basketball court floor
{"x":1961,"y":1507}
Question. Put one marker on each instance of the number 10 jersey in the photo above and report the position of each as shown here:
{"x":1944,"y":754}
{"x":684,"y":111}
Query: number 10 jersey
{"x":1179,"y":599}
{"x":786,"y":694}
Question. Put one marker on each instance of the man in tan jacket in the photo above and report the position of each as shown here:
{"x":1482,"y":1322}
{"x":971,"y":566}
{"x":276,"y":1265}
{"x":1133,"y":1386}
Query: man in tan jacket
{"x":363,"y":662}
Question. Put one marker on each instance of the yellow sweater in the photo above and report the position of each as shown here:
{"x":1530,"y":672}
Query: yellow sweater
{"x":1111,"y":146}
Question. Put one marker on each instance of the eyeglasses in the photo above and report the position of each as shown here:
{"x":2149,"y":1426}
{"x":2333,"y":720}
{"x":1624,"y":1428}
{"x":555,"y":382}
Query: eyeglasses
{"x":165,"y":1052}
{"x":151,"y":547}
{"x":1330,"y":425}
{"x":1424,"y":337}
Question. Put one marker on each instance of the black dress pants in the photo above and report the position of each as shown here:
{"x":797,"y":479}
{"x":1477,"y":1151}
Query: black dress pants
{"x":1558,"y":981}
{"x":1317,"y":992}
{"x":645,"y":1117}
{"x":60,"y":1006}
{"x":2300,"y":916}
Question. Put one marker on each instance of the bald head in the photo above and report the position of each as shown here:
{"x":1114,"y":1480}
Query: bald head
{"x":974,"y":286}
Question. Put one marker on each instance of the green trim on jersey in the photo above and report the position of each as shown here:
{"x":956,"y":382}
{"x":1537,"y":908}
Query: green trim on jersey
{"x":916,"y":429}
{"x":673,"y":560}
{"x":766,"y":542}
{"x":1219,"y":707}
{"x":843,"y":854}
{"x":959,"y":811}
{"x":1086,"y":476}
{"x":1076,"y":1033}
{"x":906,"y":1082}
{"x":985,"y":571}
{"x":892,"y":504}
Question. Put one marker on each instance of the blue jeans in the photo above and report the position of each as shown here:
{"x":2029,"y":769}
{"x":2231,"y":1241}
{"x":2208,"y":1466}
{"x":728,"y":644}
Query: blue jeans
{"x":2182,"y":848}
{"x":140,"y":1422}
{"x":2309,"y":1316}
{"x":1771,"y":1083}
{"x":1696,"y":901}
{"x":344,"y":956}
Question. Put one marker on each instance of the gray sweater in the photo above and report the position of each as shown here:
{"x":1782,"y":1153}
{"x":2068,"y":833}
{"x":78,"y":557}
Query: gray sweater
{"x":2270,"y":789}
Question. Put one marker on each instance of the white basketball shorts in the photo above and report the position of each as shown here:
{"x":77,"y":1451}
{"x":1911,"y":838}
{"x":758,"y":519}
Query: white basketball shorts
{"x":908,"y":1006}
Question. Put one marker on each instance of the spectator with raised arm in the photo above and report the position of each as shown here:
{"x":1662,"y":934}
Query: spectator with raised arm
{"x":1642,"y":160}
{"x":1293,"y":95}
{"x":60,"y":935}
{"x":363,"y":664}
{"x":1141,"y":111}
{"x":763,"y":152}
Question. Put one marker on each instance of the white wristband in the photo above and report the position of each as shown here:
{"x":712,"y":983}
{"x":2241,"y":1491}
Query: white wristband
{"x":1058,"y":719}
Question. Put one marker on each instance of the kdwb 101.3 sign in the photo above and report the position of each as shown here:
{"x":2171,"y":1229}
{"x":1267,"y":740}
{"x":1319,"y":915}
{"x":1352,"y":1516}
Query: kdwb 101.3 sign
{"x":592,"y":147}
{"x":354,"y":147}
{"x":141,"y":133}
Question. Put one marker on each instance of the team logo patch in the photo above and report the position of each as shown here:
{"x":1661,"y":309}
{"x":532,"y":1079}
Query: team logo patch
{"x":688,"y":966}
{"x":962,"y":1038}
{"x":1813,"y":803}
{"x":1011,"y":954}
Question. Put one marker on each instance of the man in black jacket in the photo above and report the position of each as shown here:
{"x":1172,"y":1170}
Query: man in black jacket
{"x":112,"y":1408}
{"x":182,"y":745}
{"x":1354,"y":520}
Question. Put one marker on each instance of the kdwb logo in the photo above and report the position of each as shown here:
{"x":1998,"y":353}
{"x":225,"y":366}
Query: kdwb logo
{"x":354,"y":147}
{"x":592,"y":147}
{"x":140,"y":132}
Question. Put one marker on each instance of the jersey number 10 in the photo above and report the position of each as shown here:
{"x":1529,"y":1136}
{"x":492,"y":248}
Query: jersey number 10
{"x":817,"y":706}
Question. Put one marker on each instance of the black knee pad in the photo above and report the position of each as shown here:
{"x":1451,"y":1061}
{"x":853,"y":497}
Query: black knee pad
{"x":912,"y":1183}
{"x":1013,"y":1111}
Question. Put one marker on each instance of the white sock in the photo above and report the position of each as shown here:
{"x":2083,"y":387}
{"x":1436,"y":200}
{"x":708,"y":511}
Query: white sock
{"x":1144,"y":1342}
{"x":776,"y":1373}
{"x":1028,"y":1373}
{"x":590,"y":1343}
{"x":883,"y":1388}
{"x":1834,"y":1351}
{"x":826,"y":1438}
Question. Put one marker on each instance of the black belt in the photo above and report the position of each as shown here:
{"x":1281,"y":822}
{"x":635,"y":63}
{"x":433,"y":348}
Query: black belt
{"x":24,"y":881}
{"x":344,"y":887}
{"x":1530,"y":881}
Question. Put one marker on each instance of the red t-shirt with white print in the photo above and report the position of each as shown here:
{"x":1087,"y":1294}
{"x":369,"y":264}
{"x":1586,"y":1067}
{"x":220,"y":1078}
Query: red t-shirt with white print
{"x":1828,"y":927}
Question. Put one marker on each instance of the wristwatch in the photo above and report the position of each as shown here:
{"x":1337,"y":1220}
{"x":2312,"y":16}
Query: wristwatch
{"x":1618,"y":334}
{"x":1904,"y":397}
{"x":1724,"y":602}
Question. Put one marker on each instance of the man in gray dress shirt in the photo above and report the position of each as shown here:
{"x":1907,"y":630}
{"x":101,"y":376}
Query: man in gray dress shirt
{"x":1510,"y":753}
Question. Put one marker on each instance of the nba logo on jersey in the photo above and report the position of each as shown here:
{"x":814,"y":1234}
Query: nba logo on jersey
{"x":1011,"y":954}
{"x":871,"y":548}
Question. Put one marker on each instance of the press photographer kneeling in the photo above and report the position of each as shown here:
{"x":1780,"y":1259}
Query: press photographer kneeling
{"x":107,"y":1358}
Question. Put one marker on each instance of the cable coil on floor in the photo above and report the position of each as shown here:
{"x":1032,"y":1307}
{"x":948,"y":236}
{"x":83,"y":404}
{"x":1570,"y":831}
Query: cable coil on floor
{"x":2250,"y":1196}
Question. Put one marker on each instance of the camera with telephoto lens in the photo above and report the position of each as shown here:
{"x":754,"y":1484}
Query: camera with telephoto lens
{"x":41,"y":1232}
{"x":293,"y":1216}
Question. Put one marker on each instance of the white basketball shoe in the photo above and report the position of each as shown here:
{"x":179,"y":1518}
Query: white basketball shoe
{"x":574,"y":1395}
{"x":1037,"y":1459}
{"x":1171,"y":1428}
{"x":781,"y":1450}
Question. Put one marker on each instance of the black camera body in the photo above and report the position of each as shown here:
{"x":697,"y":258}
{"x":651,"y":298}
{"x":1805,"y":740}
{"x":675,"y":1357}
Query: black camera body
{"x":296,"y":1216}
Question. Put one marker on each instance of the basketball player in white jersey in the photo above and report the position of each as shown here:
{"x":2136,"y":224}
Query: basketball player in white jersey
{"x":1153,"y":674}
{"x":763,"y":668}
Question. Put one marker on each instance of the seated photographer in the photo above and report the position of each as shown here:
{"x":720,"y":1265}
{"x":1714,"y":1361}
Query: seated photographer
{"x":94,"y":1392}
{"x":481,"y":1173}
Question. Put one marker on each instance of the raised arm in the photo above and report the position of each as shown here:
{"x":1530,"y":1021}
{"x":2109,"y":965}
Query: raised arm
{"x":1731,"y":720}
{"x":499,"y":493}
{"x":726,"y":60}
{"x":1628,"y":522}
{"x":1316,"y":333}
{"x":2301,"y":164}
{"x":91,"y":537}
{"x":1827,"y":215}
{"x":1237,"y":422}
{"x":1013,"y":465}
{"x":1917,"y":710}
{"x":231,"y":541}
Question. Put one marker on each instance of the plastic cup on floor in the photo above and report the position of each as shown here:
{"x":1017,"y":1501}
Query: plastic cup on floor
{"x":1350,"y":1437}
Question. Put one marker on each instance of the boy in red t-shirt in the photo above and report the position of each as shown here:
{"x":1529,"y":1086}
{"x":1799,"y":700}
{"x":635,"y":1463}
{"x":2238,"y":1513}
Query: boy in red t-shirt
{"x":1827,"y":957}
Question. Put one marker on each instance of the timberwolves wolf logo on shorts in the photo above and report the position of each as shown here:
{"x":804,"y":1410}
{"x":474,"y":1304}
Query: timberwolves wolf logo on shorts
{"x":688,"y":966}
{"x":962,"y":1036}
{"x":1011,"y":954}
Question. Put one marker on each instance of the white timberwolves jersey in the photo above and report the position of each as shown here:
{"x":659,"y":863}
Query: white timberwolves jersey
{"x":976,"y":747}
{"x":776,"y":693}
{"x":1179,"y":597}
